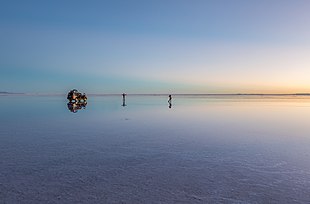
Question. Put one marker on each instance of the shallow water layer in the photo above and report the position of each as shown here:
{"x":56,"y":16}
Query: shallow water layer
{"x":201,"y":149}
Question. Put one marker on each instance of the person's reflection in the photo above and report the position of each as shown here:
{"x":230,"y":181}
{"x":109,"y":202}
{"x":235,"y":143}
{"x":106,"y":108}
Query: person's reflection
{"x":124,"y":99}
{"x":170,"y":104}
{"x":170,"y":101}
{"x":75,"y":106}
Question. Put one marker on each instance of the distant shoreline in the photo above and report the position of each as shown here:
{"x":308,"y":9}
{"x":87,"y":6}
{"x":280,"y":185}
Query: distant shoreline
{"x":10,"y":93}
{"x":150,"y":94}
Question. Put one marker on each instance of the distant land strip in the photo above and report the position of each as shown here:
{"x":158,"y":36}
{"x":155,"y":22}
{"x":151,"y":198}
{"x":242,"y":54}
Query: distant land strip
{"x":6,"y":93}
{"x":160,"y":94}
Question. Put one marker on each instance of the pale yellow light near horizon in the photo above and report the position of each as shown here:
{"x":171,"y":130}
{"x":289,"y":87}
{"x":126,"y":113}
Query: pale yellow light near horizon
{"x":240,"y":69}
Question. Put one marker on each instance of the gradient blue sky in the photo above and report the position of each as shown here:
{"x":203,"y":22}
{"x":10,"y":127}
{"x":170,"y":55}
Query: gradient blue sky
{"x":154,"y":46}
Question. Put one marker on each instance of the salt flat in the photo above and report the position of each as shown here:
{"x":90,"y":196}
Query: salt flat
{"x":203,"y":149}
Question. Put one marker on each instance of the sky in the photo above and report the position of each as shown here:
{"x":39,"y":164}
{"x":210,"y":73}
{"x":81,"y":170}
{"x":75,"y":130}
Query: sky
{"x":155,"y":46}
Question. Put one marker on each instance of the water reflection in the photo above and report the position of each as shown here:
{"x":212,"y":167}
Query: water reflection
{"x":75,"y":106}
{"x":170,"y":104}
{"x":256,"y":146}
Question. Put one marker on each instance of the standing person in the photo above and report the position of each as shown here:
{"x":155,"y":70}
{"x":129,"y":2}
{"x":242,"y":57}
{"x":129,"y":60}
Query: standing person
{"x":170,"y":98}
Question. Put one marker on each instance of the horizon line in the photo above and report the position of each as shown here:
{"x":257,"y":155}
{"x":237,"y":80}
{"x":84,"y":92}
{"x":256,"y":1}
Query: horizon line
{"x":158,"y":94}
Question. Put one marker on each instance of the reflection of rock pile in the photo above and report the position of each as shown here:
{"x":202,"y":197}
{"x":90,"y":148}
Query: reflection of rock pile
{"x":75,"y":106}
{"x":75,"y":96}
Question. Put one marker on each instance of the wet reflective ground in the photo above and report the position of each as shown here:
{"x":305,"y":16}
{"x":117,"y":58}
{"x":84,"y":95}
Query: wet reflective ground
{"x":198,"y":149}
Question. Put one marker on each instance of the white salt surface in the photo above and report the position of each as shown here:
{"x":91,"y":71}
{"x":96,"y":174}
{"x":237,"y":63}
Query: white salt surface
{"x":201,"y":150}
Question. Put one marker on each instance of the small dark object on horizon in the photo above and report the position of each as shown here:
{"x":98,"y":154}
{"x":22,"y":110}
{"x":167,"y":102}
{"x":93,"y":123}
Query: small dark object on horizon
{"x":124,"y":99}
{"x":170,"y":98}
{"x":75,"y":96}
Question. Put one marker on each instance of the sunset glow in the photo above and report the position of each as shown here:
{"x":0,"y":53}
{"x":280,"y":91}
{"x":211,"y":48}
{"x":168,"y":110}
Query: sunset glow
{"x":159,"y":47}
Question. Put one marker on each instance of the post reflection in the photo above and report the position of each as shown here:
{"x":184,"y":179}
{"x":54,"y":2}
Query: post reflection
{"x":170,"y":101}
{"x":170,"y":104}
